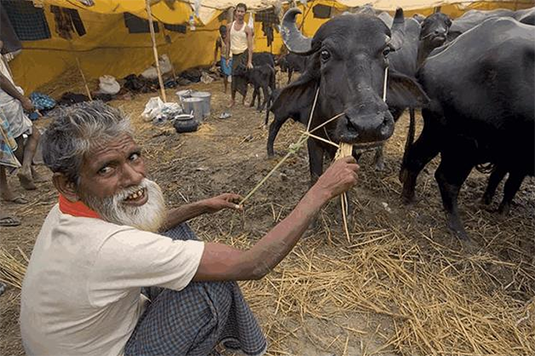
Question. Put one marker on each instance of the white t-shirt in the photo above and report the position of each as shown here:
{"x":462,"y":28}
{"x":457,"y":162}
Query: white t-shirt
{"x":81,"y":292}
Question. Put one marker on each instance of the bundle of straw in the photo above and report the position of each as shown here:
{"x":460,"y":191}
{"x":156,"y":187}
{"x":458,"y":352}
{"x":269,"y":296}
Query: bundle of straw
{"x":344,"y":150}
{"x":12,"y":270}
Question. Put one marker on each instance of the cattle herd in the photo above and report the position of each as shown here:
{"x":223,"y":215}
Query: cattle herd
{"x":472,"y":77}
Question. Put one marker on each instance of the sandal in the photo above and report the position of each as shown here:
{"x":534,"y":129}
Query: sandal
{"x":17,"y":200}
{"x":9,"y":221}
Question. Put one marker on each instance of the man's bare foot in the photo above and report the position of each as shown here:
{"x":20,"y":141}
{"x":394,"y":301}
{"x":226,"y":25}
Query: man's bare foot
{"x":231,"y":104}
{"x":25,"y":179}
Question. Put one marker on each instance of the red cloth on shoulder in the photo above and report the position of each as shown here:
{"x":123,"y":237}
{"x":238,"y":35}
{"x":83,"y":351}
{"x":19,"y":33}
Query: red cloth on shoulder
{"x":78,"y":208}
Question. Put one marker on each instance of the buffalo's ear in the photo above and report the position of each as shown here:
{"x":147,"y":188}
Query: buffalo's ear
{"x":296,"y":99}
{"x":452,"y":35}
{"x":404,"y":91}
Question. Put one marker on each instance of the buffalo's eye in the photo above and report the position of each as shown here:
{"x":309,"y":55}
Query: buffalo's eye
{"x":386,"y":51}
{"x":325,"y":55}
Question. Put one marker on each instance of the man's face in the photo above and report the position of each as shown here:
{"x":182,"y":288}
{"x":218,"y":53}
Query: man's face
{"x":113,"y":183}
{"x":223,"y":32}
{"x":240,"y":13}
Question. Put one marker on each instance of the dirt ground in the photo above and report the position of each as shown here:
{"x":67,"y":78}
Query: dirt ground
{"x":332,"y":296}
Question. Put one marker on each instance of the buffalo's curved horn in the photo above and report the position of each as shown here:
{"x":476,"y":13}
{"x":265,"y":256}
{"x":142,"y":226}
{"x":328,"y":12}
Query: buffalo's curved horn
{"x":398,"y":30}
{"x":292,"y":37}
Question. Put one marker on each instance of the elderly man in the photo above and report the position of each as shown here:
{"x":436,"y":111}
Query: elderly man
{"x":82,"y":293}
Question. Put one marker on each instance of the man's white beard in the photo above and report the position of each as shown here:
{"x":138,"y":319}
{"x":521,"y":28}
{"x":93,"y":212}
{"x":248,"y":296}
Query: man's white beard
{"x":148,"y":217}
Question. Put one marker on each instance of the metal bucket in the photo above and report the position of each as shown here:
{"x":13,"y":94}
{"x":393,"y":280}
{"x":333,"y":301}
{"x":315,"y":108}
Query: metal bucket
{"x":205,"y":96}
{"x":195,"y":105}
{"x":183,"y":94}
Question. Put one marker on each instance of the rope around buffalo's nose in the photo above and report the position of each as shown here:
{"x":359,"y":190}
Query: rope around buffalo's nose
{"x":295,"y":147}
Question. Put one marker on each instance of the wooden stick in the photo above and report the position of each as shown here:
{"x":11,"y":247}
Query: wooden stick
{"x":83,"y":77}
{"x":155,"y":50}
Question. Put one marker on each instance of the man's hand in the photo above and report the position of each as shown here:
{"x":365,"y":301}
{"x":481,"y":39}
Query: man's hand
{"x":223,"y":201}
{"x":249,"y":65}
{"x":339,"y":178}
{"x":27,"y":105}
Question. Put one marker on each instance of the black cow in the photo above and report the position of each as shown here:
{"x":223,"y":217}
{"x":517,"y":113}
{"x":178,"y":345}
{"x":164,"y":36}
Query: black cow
{"x":482,"y":110}
{"x":292,"y":62}
{"x":526,"y":16}
{"x":473,"y":18}
{"x":419,"y":41}
{"x":260,"y":77}
{"x":346,"y":67}
{"x":260,"y":58}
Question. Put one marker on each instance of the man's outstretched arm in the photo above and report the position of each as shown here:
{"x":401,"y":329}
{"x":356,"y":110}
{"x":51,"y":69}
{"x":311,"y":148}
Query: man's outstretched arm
{"x":186,"y":212}
{"x":220,"y":262}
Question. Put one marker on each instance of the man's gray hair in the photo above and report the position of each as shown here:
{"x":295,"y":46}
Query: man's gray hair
{"x":75,"y":131}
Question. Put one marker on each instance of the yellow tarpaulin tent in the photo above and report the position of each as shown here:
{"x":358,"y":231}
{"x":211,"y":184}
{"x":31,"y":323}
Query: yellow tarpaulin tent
{"x":109,"y":48}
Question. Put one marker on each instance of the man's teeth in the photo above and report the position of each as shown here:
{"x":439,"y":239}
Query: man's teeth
{"x":135,"y":195}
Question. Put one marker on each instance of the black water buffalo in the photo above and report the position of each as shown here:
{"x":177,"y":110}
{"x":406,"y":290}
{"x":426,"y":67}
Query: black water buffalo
{"x":260,"y":58}
{"x":482,"y":110}
{"x":526,"y":16}
{"x":419,"y":41}
{"x":472,"y":18}
{"x":348,"y":56}
{"x":262,"y":78}
{"x":292,"y":62}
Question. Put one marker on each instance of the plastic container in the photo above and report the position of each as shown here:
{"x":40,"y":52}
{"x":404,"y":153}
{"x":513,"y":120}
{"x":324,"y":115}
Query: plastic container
{"x":194,"y":105}
{"x":206,"y":98}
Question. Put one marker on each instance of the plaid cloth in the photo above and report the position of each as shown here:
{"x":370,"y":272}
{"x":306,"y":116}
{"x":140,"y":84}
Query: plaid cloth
{"x":191,"y":322}
{"x":239,"y":81}
{"x":8,"y":145}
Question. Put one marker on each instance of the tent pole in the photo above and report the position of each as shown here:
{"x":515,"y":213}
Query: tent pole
{"x":82,"y":74}
{"x":155,"y":50}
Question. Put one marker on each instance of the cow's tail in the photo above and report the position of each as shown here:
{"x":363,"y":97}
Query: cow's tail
{"x":271,"y":99}
{"x":268,"y":109}
{"x":410,"y":136}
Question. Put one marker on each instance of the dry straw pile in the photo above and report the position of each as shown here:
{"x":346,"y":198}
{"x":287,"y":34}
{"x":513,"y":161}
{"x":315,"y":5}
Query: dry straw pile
{"x":438,"y":301}
{"x":12,"y":269}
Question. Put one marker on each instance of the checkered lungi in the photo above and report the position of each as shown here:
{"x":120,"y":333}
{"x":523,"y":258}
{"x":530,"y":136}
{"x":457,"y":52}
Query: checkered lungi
{"x":239,"y":81}
{"x":196,"y":319}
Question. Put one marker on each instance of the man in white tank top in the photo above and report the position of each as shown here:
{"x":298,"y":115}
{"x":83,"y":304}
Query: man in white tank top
{"x":240,"y":43}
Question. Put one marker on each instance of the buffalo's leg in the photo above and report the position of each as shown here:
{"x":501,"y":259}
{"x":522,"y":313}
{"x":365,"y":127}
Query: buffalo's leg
{"x":512,"y":185}
{"x":419,"y":155}
{"x":495,"y":178}
{"x":450,"y":175}
{"x":262,"y":101}
{"x":255,"y":94}
{"x":315,"y":159}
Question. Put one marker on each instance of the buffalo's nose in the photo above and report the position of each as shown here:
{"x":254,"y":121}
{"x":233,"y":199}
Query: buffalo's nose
{"x":372,"y":127}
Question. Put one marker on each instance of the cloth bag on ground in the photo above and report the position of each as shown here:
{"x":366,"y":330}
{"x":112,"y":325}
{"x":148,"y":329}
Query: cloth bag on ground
{"x":108,"y":85}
